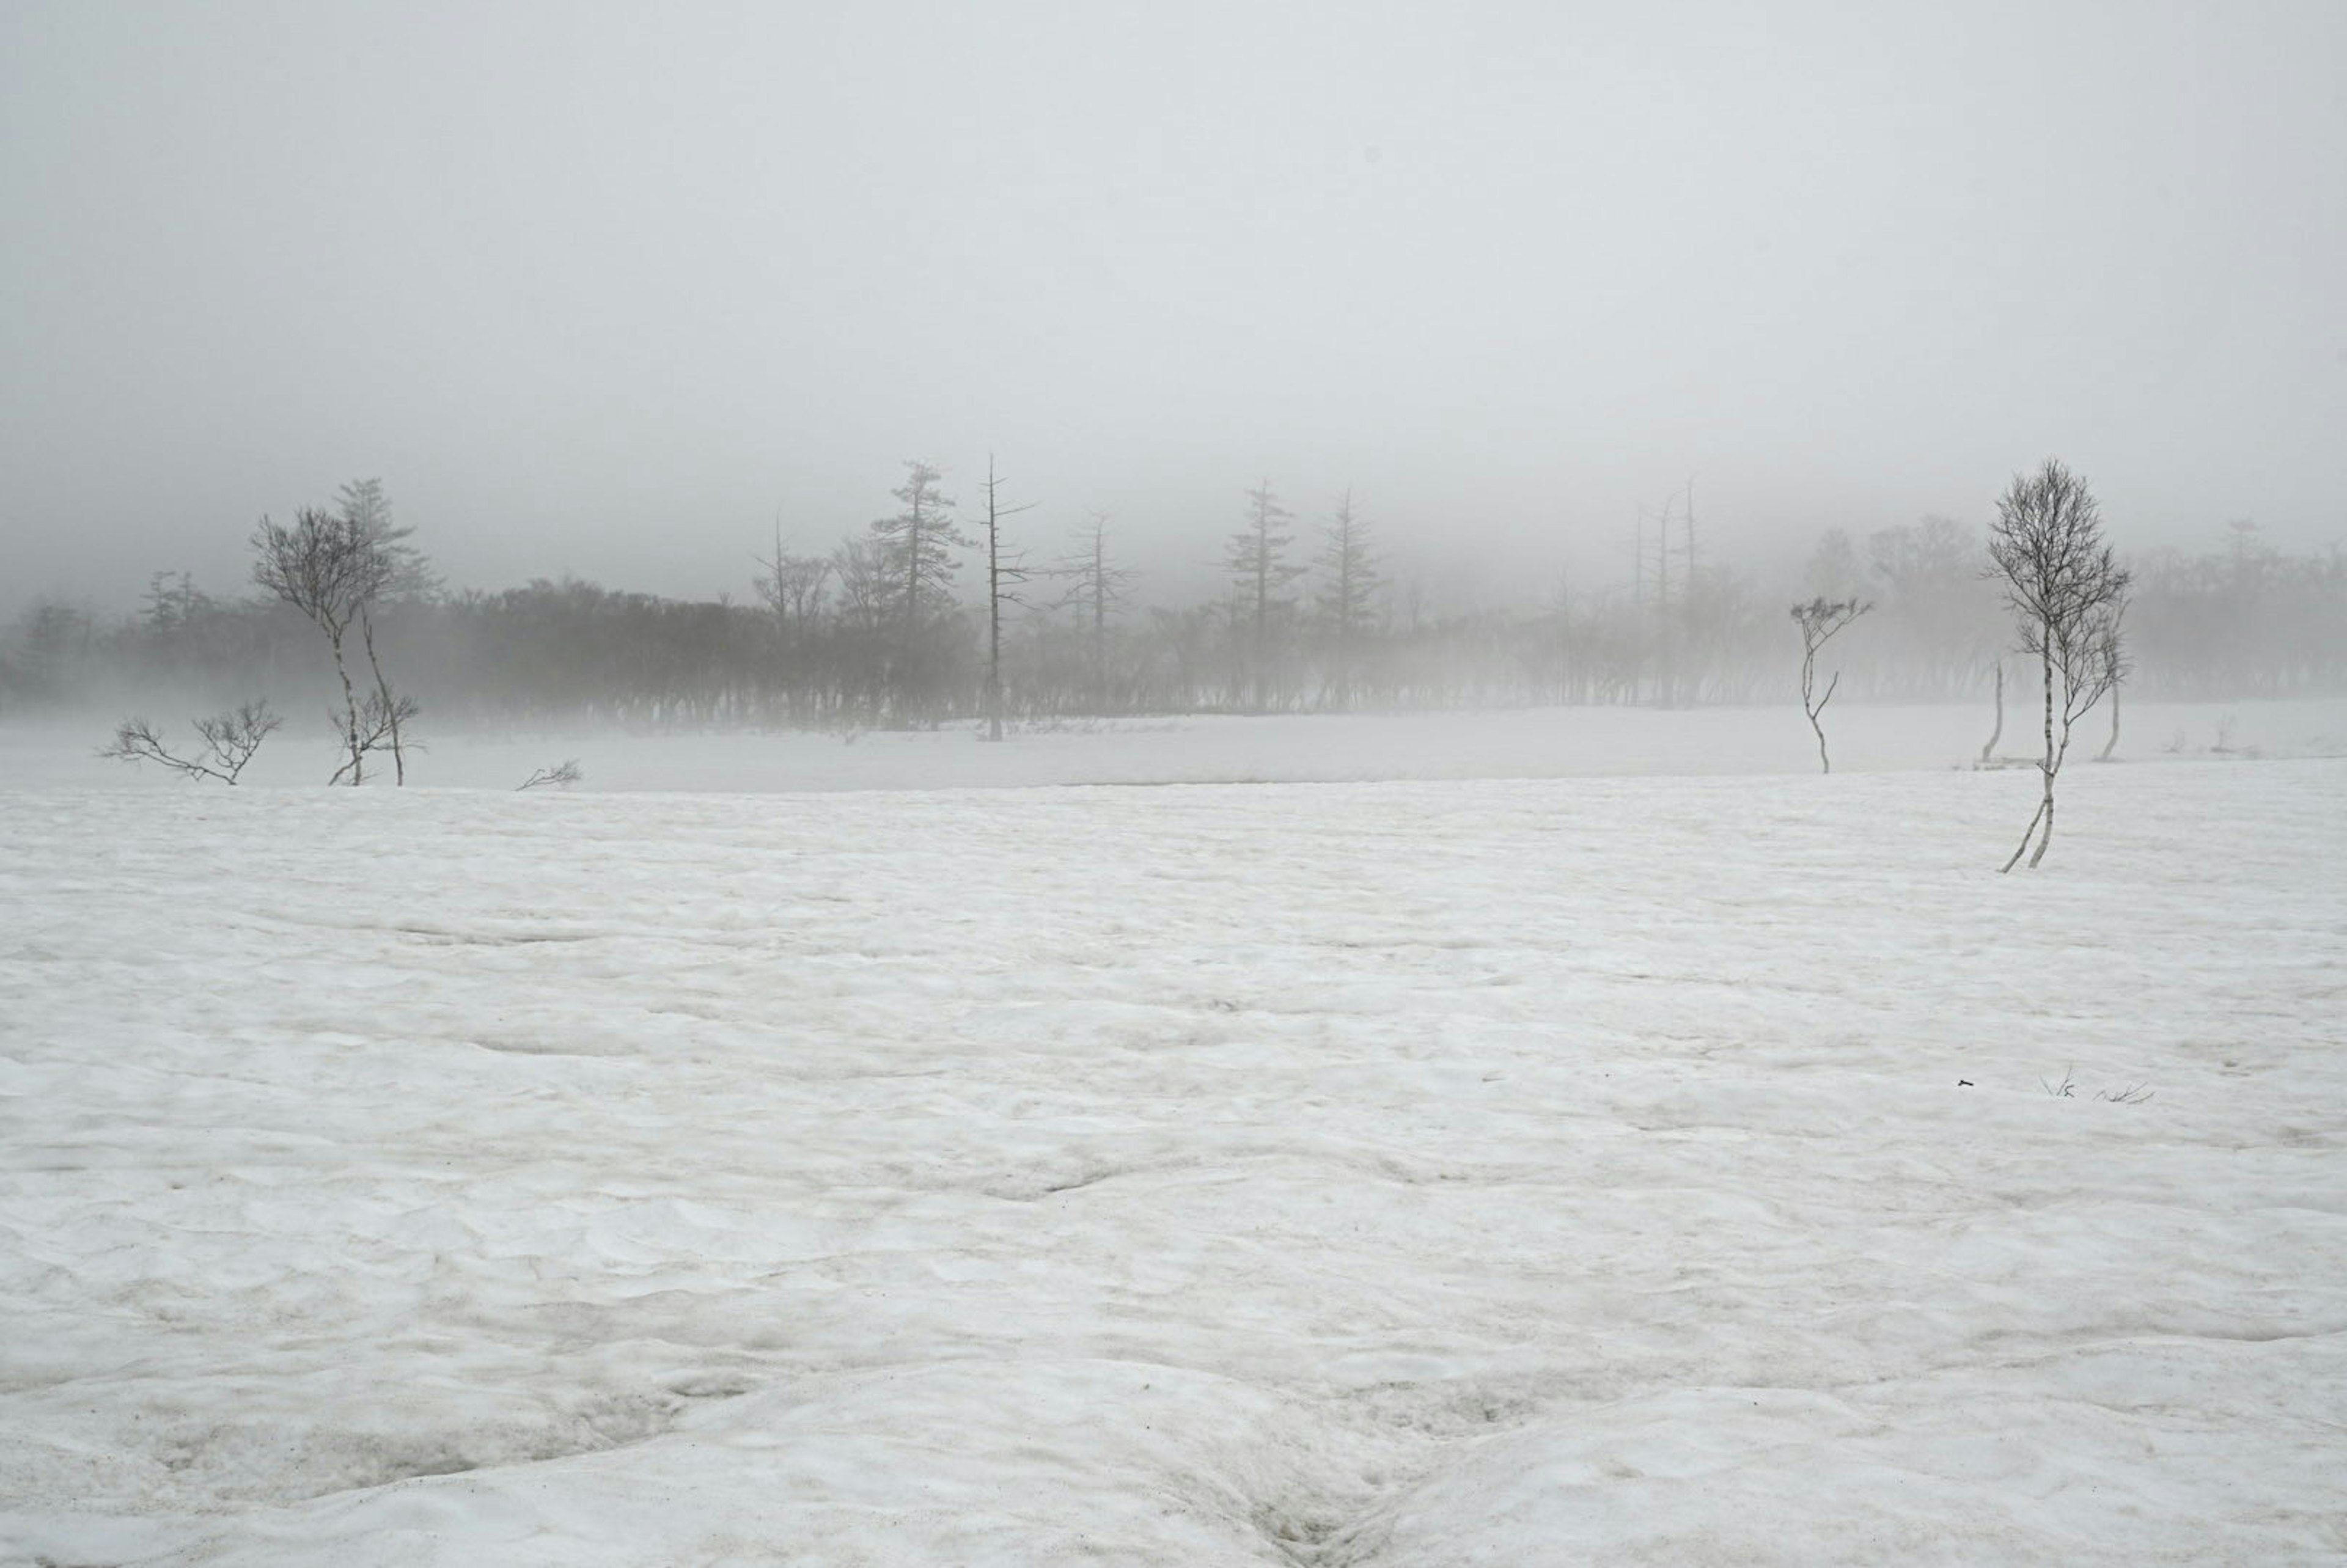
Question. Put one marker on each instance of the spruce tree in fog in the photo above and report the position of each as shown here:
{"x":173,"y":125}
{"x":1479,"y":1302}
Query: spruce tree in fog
{"x":1348,"y":586}
{"x":917,"y":544}
{"x":1257,"y":563}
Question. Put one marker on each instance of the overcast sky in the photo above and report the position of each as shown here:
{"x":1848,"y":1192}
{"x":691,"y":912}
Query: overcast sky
{"x":603,"y":289}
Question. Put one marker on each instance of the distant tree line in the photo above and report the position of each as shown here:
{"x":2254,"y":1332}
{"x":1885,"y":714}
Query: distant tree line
{"x":880,"y":631}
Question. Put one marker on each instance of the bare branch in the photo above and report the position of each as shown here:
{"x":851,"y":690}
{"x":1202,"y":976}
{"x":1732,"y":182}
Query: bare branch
{"x":230,"y":739}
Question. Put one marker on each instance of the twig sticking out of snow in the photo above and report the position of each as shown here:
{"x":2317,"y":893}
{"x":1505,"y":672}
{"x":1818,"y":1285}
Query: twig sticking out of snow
{"x":561,"y":777}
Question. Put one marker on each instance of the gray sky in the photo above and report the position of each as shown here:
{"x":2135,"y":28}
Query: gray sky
{"x":598,"y":288}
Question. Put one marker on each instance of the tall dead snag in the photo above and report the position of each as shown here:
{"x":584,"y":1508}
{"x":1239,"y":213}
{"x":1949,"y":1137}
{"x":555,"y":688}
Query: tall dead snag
{"x":1820,"y":621}
{"x":1001,"y":575}
{"x":2068,"y":595}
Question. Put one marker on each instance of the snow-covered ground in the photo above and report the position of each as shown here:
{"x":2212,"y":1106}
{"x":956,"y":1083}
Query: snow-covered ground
{"x":1516,"y":1172}
{"x":1534,"y":742}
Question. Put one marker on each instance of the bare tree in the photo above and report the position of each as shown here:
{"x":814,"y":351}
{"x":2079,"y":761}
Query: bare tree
{"x":230,"y":739}
{"x":1257,"y":563}
{"x":1348,"y":598}
{"x":382,"y":713}
{"x":395,"y":567}
{"x":792,"y":585}
{"x":2068,"y":594}
{"x":863,"y":583}
{"x":1821,"y":619}
{"x":332,"y":567}
{"x":1002,"y":576}
{"x":1097,"y":590}
{"x":314,"y":567}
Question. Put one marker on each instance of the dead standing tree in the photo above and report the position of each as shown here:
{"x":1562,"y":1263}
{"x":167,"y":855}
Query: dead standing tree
{"x":1819,"y":620}
{"x":2068,"y":594}
{"x":1001,"y":577}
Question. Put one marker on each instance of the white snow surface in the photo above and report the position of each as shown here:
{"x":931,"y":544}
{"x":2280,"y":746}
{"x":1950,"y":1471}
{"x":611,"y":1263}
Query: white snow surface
{"x":1214,"y":748}
{"x":1474,"y":1171}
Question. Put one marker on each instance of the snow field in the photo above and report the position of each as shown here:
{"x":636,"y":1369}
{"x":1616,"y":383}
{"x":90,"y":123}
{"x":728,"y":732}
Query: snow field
{"x":1286,"y":748}
{"x":1419,"y":1174}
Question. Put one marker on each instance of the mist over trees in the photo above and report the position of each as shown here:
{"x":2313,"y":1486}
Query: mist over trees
{"x":880,"y":630}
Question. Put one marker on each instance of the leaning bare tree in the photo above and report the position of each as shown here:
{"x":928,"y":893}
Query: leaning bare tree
{"x":2068,"y":594}
{"x":230,"y":738}
{"x":1819,"y":620}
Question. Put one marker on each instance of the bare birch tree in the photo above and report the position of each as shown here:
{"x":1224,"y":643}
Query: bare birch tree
{"x":394,"y":567}
{"x":314,"y":566}
{"x":2068,"y":594}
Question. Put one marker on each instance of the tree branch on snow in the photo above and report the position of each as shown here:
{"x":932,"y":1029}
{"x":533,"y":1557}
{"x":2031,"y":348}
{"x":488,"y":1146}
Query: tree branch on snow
{"x":561,"y":777}
{"x":230,"y":738}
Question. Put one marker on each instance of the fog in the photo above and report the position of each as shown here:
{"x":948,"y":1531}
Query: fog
{"x":617,"y":292}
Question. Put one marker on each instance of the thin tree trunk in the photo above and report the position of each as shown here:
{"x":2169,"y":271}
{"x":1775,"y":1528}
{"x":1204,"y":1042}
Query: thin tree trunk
{"x":2049,"y":765}
{"x":1261,"y":620}
{"x":383,"y":688}
{"x":993,"y":612}
{"x":1996,"y":735}
{"x":2113,"y":744}
{"x":2026,"y":835}
{"x":1099,"y":619}
{"x":351,"y":711}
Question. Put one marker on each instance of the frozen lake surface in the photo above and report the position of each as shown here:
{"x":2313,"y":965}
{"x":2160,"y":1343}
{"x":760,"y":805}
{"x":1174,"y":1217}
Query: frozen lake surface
{"x":1422,"y":1171}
